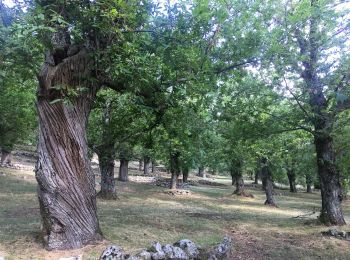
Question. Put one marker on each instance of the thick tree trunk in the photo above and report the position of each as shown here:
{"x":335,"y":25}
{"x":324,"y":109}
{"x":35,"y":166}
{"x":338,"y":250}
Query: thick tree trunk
{"x":6,"y":157}
{"x":291,"y":179}
{"x":146,"y":165}
{"x":267,"y":183}
{"x":331,"y":212}
{"x":174,"y":169}
{"x":66,"y":183}
{"x":123,"y":170}
{"x":201,"y":172}
{"x":185,"y":172}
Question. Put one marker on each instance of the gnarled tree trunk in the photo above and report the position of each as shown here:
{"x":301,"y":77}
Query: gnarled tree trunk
{"x":66,"y":183}
{"x":291,"y":179}
{"x":267,"y":183}
{"x":123,"y":170}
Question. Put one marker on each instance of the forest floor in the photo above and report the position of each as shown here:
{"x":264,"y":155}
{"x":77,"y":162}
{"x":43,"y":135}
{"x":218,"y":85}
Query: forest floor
{"x":145,"y":213}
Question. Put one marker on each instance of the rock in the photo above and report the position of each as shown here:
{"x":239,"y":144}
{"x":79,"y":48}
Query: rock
{"x":224,"y":248}
{"x":2,"y":258}
{"x":156,"y":251}
{"x":189,"y":247}
{"x":113,"y":253}
{"x":219,"y":252}
{"x":145,"y":255}
{"x":174,"y":252}
{"x":342,"y":234}
{"x":333,"y":232}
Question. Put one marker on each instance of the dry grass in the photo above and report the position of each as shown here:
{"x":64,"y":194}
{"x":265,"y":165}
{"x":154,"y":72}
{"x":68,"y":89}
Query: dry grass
{"x":145,"y":214}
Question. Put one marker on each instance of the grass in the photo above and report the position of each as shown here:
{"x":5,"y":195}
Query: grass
{"x":145,"y":214}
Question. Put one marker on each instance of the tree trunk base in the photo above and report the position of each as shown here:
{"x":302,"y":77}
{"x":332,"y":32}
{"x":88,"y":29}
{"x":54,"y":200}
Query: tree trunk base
{"x":243,"y":194}
{"x":271,"y":204}
{"x":107,"y":196}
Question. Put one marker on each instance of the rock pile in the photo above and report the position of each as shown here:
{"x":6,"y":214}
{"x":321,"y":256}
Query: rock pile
{"x":182,"y":250}
{"x":166,"y":184}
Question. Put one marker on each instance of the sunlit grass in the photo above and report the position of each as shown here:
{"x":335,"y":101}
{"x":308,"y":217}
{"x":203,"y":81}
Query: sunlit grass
{"x":144,"y":213}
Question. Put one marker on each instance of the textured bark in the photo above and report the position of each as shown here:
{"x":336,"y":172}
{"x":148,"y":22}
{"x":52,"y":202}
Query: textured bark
{"x":201,"y":172}
{"x":6,"y":157}
{"x":331,"y":212}
{"x":267,"y":183}
{"x":185,"y":172}
{"x":322,"y":119}
{"x":174,"y":169}
{"x":291,"y":179}
{"x":146,"y":165}
{"x":123,"y":170}
{"x":66,"y":183}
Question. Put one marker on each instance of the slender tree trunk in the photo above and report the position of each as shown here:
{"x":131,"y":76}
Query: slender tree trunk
{"x":331,"y":212}
{"x":233,"y":177}
{"x":106,"y":162}
{"x":146,"y":165}
{"x":140,"y":165}
{"x":154,"y":164}
{"x":308,"y":188}
{"x":174,"y":169}
{"x":185,"y":172}
{"x":239,"y":184}
{"x":291,"y":179}
{"x":66,"y":183}
{"x":201,"y":172}
{"x":123,"y":170}
{"x":308,"y":184}
{"x":267,"y":183}
{"x":256,"y":177}
{"x":6,"y":157}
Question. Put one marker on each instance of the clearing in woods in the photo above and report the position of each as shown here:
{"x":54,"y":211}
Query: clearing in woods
{"x":144,"y":213}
